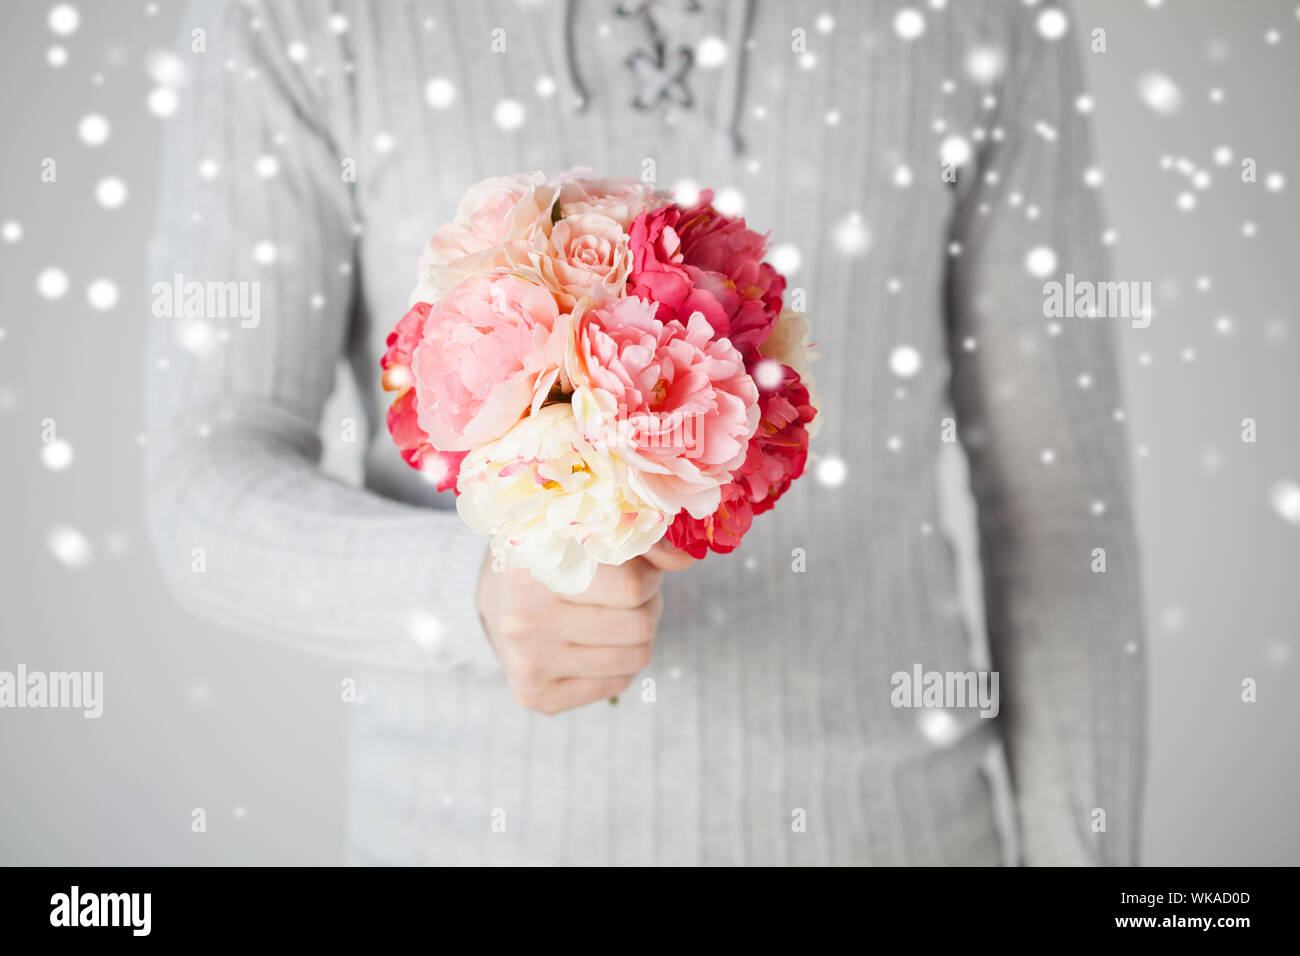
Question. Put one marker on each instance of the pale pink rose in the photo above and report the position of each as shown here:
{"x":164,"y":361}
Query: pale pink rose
{"x":671,"y":402}
{"x":492,"y":349}
{"x":621,"y":199}
{"x":583,"y":253}
{"x":494,"y":216}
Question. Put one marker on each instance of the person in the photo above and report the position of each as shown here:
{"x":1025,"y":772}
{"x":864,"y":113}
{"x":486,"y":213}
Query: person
{"x":921,"y":173}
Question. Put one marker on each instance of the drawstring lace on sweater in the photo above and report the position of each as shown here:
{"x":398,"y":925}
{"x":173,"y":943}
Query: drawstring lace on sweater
{"x":662,"y":70}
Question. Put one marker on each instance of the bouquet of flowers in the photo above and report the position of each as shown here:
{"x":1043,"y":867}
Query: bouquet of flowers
{"x":592,"y":368}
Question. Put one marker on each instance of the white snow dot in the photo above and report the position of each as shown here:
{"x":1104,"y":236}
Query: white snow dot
{"x":786,"y":259}
{"x":908,"y":23}
{"x":831,"y":471}
{"x":1160,"y":93}
{"x":1186,"y":201}
{"x":808,"y":61}
{"x":110,"y":192}
{"x":711,"y":53}
{"x":209,"y":169}
{"x":768,"y":374}
{"x":64,"y":19}
{"x":825,"y":23}
{"x":93,"y":129}
{"x":265,"y":253}
{"x":440,"y":92}
{"x":1286,"y":500}
{"x":1052,"y":24}
{"x":101,"y":294}
{"x":56,"y":455}
{"x":852,"y":237}
{"x":1093,"y":177}
{"x":939,"y":727}
{"x":1248,"y":229}
{"x":985,"y":64}
{"x":1047,"y":456}
{"x":729,"y":202}
{"x":545,"y":86}
{"x":426,"y":629}
{"x":69,"y":546}
{"x":297,"y":52}
{"x":12,"y":231}
{"x":905,"y":361}
{"x":955,"y":151}
{"x":194,"y":335}
{"x":52,"y":283}
{"x":163,"y":101}
{"x":383,"y":144}
{"x":902,"y":177}
{"x":338,"y":23}
{"x":1083,"y":103}
{"x":267,"y":166}
{"x":56,"y":56}
{"x":686,"y":192}
{"x":1041,"y":262}
{"x":508,"y":114}
{"x":1223,"y":155}
{"x":165,"y":68}
{"x":1274,"y":182}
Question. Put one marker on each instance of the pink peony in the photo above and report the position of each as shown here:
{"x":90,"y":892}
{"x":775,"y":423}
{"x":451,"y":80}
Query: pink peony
{"x":495,"y":216}
{"x":490,"y":351}
{"x":776,"y":456}
{"x":670,"y":400}
{"x":441,"y":467}
{"x":697,"y":259}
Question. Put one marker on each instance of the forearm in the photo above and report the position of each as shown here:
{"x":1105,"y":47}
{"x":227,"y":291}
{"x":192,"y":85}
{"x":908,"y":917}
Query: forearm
{"x":250,"y":534}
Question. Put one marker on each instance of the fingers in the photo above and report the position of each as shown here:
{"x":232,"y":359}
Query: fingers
{"x":577,"y":692}
{"x":593,"y":625}
{"x":603,"y":662}
{"x":627,"y":585}
{"x":667,"y":558}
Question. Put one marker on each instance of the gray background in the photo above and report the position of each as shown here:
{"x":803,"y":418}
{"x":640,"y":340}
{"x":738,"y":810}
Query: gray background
{"x":198,"y":717}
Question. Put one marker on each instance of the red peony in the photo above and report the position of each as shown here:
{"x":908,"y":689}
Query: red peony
{"x":698,"y":260}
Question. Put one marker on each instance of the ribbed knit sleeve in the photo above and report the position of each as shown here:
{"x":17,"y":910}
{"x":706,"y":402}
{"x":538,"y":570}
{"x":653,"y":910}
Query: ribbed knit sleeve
{"x":1038,"y":401}
{"x":248,"y":530}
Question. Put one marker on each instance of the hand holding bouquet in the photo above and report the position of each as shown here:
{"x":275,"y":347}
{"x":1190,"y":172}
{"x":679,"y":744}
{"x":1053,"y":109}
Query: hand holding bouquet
{"x":592,"y":368}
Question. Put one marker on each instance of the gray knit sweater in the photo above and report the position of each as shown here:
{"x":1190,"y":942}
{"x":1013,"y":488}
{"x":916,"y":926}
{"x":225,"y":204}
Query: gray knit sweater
{"x":319,"y":144}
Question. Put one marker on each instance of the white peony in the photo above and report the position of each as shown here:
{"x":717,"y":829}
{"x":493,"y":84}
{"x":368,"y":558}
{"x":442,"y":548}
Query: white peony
{"x":787,"y":344}
{"x":553,"y":503}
